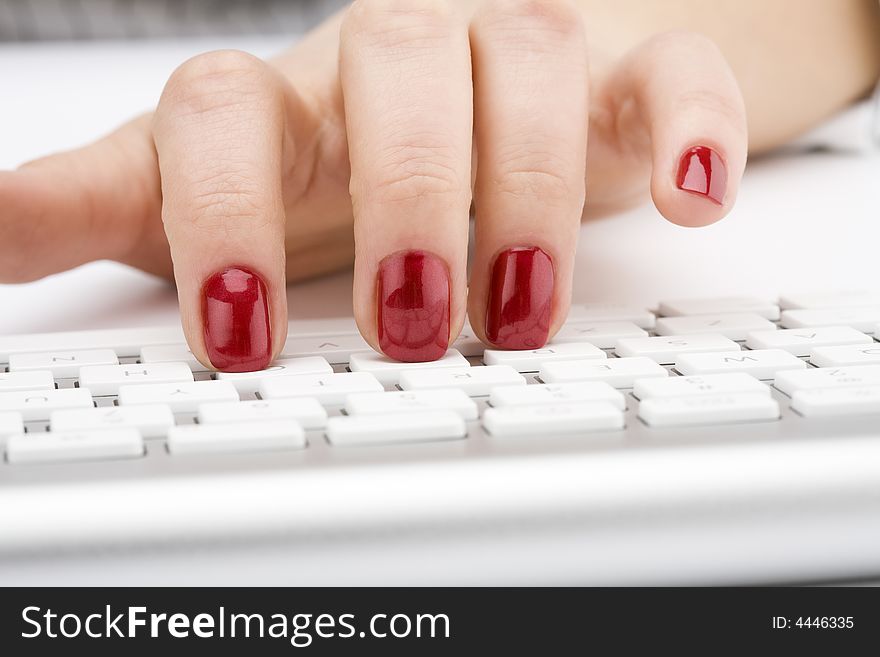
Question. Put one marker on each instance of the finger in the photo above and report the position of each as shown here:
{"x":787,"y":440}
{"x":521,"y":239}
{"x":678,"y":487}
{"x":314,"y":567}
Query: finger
{"x":220,"y":132}
{"x":405,"y":72}
{"x":687,"y":98}
{"x":99,"y":201}
{"x":530,"y":104}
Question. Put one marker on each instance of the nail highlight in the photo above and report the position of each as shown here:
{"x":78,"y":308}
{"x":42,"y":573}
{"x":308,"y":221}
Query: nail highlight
{"x":412,"y":291}
{"x":235,"y":317}
{"x":520,"y":299}
{"x":701,"y":171}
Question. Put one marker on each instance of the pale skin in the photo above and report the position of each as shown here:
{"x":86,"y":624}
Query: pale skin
{"x":377,"y":132}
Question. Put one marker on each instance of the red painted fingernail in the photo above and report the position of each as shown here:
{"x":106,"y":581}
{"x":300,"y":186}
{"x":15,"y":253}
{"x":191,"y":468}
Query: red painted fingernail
{"x":235,"y":314}
{"x":520,"y":299}
{"x":701,"y":171}
{"x":413,"y":313}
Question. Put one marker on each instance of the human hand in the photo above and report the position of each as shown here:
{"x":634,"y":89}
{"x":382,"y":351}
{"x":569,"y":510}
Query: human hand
{"x":369,"y":140}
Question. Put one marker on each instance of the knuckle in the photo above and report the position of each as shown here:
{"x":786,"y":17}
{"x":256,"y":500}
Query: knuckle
{"x":729,"y":109}
{"x":369,"y":10}
{"x":728,"y":106}
{"x":227,"y":202}
{"x":538,"y":20}
{"x":391,"y":23}
{"x":215,"y":80}
{"x":411,"y":172}
{"x":539,"y":176}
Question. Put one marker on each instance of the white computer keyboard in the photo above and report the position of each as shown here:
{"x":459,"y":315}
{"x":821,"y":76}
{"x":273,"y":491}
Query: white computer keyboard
{"x":610,"y":373}
{"x":702,"y":441}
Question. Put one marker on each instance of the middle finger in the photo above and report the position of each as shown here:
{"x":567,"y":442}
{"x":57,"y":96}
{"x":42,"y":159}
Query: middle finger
{"x":530,"y":115}
{"x":405,"y":73}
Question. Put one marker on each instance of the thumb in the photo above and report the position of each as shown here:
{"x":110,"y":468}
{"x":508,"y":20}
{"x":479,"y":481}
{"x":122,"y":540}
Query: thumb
{"x":99,"y":201}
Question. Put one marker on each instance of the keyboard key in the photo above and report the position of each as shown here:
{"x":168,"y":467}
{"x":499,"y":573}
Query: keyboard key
{"x":151,"y":421}
{"x":15,"y":381}
{"x":74,"y":446}
{"x":601,"y":334}
{"x":171,"y":353}
{"x":611,"y":312}
{"x":761,"y":363}
{"x":617,"y":372}
{"x":62,"y":364}
{"x":395,"y":428}
{"x":38,"y":405}
{"x":307,"y":411}
{"x":335,"y":349}
{"x":735,"y":326}
{"x":236,"y":438}
{"x":719,"y":305}
{"x":185,"y":397}
{"x":411,"y":401}
{"x":829,"y":402}
{"x":105,"y":380}
{"x":801,"y":342}
{"x":861,"y":319}
{"x":473,"y":381}
{"x":828,"y":377}
{"x":247,"y":383}
{"x":666,"y":349}
{"x":10,"y":424}
{"x":839,"y":299}
{"x":328,"y":389}
{"x":531,"y":361}
{"x":854,"y":354}
{"x":692,"y":386}
{"x":708,"y":409}
{"x":544,"y":394}
{"x":388,"y":371}
{"x":125,"y":342}
{"x":322,"y":327}
{"x":538,"y":421}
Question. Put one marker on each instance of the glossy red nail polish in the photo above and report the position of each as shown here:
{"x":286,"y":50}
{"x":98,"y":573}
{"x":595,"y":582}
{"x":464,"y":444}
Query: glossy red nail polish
{"x":235,"y":316}
{"x":520,"y":299}
{"x":701,"y":171}
{"x":412,"y":290}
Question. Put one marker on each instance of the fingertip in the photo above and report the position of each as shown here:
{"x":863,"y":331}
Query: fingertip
{"x":694,"y":111}
{"x":235,"y":331}
{"x":413,"y":306}
{"x":521,"y":298}
{"x":696,"y":189}
{"x":702,"y":171}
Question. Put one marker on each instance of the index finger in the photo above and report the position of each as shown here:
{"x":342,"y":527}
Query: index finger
{"x":220,"y":135}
